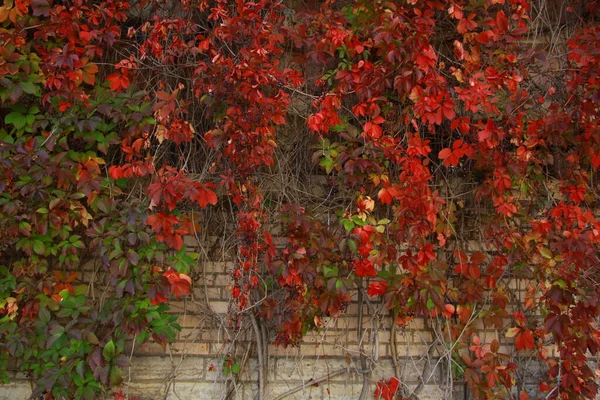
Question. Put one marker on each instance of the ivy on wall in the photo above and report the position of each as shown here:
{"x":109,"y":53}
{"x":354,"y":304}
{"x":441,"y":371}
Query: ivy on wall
{"x":129,"y":127}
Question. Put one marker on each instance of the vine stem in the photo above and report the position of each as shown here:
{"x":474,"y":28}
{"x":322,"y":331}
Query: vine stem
{"x":363,"y":360}
{"x":259,"y":350}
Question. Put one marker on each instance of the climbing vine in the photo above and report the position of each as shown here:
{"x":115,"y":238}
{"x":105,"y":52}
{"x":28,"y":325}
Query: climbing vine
{"x":457,"y":141}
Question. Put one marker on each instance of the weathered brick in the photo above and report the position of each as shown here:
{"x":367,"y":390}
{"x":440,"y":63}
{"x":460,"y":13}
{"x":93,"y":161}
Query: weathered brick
{"x":190,"y":321}
{"x":220,"y":307}
{"x":335,"y":391}
{"x":158,"y":368}
{"x":18,"y":390}
{"x":190,"y":348}
{"x":303,"y":369}
{"x":307,"y":393}
{"x":146,"y":349}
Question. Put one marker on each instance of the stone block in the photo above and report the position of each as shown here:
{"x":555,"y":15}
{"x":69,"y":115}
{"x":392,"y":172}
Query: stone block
{"x":303,"y":369}
{"x":158,"y":368}
{"x":197,"y":391}
{"x":220,"y":307}
{"x":190,"y":321}
{"x":308,"y":392}
{"x":190,"y":348}
{"x":146,"y":349}
{"x":344,"y":391}
{"x":17,"y":390}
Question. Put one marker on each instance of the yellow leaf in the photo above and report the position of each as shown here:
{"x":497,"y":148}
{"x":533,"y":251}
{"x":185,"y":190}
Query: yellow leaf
{"x":512,"y":332}
{"x":545,"y":252}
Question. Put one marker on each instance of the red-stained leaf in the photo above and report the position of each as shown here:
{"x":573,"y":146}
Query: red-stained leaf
{"x":466,"y":24}
{"x":180,"y":283}
{"x":373,"y":130}
{"x":502,"y":22}
{"x":206,"y":197}
{"x":386,"y":195}
{"x":162,"y":222}
{"x":477,"y":257}
{"x":459,"y":50}
{"x":118,"y":82}
{"x":525,"y":340}
{"x":386,"y":390}
{"x":449,"y":311}
{"x":449,"y":157}
{"x":364,"y":268}
{"x":377,"y":288}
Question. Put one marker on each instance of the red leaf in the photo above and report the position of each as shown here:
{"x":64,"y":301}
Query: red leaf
{"x":180,"y":283}
{"x":466,"y":24}
{"x":377,"y":288}
{"x":459,"y":51}
{"x":449,"y":157}
{"x":387,"y":390}
{"x":477,"y":257}
{"x":174,"y":241}
{"x":118,"y":82}
{"x":449,"y":311}
{"x":162,"y":222}
{"x":524,"y":340}
{"x":448,"y":109}
{"x":385,"y":196}
{"x":372,"y":130}
{"x":115,"y":172}
{"x":502,"y":22}
{"x":206,"y":197}
{"x":364,"y":268}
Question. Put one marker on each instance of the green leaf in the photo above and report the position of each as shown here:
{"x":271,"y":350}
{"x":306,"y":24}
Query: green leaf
{"x":356,"y":219}
{"x":235,"y":368}
{"x":430,"y":304}
{"x":16,"y":119}
{"x":561,"y":283}
{"x":39,"y":247}
{"x":348,"y":225}
{"x":92,"y":338}
{"x":77,"y":380}
{"x":109,"y":350}
{"x":30,"y":119}
{"x":545,"y":252}
{"x":330,"y":271}
{"x":352,"y":246}
{"x":116,"y":376}
{"x":44,"y":315}
{"x":29,"y":87}
{"x":327,"y":163}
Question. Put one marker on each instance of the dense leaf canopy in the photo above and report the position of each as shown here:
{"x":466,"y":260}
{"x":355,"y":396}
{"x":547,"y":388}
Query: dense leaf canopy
{"x":428,"y":154}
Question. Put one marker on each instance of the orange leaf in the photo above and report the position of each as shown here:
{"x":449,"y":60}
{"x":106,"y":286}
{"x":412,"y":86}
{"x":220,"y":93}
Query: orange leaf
{"x":524,"y":340}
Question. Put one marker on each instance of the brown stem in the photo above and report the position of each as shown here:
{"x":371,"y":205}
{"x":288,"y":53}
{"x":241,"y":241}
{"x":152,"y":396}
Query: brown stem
{"x":261,"y":364}
{"x":363,"y":360}
{"x":426,"y":369}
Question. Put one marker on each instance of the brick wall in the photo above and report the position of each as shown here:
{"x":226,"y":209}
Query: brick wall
{"x":191,"y":368}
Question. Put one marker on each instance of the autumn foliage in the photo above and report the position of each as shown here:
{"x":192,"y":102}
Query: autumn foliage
{"x":459,"y":141}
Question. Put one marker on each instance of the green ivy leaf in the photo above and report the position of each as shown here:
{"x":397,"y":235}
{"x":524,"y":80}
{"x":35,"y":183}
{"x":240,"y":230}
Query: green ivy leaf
{"x":348,"y":225}
{"x":39,"y":247}
{"x":109,"y":351}
{"x":330,"y":271}
{"x":16,"y":119}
